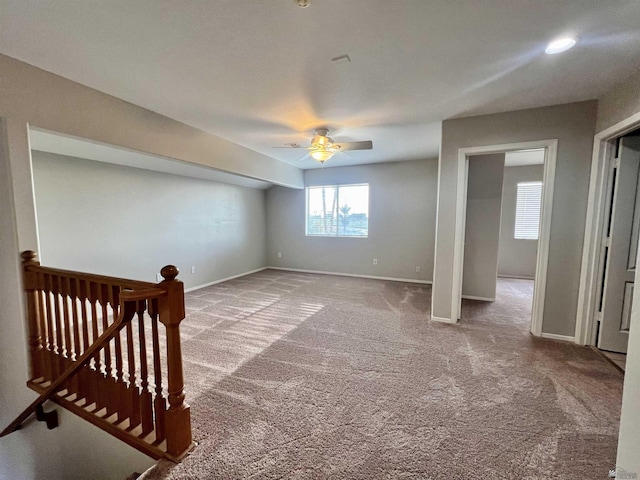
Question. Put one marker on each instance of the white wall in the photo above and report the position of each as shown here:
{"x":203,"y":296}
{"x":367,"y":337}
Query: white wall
{"x":482,"y":230}
{"x":517,"y":257}
{"x":573,"y":126}
{"x":126,"y":222}
{"x":402,"y":205}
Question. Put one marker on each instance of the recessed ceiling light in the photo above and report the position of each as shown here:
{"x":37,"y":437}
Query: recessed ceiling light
{"x":560,"y":45}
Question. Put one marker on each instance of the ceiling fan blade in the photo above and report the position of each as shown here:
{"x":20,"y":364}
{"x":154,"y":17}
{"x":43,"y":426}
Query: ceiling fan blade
{"x":294,"y":145}
{"x":365,"y":145}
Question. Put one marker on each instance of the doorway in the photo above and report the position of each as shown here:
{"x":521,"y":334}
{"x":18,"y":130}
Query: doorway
{"x":502,"y":225}
{"x":550,"y":148}
{"x":619,"y":245}
{"x":614,"y":142}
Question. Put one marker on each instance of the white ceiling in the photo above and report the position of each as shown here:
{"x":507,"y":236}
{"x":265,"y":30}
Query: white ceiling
{"x":521,"y":158}
{"x":259,"y":73}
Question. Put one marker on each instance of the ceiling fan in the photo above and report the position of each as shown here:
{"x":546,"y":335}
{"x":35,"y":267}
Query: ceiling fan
{"x":323,"y":147}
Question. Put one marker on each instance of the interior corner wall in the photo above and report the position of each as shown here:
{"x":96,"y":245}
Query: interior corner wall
{"x":517,"y":257}
{"x":482,"y":230}
{"x":126,"y":222}
{"x":402,"y":206}
{"x":573,"y":125}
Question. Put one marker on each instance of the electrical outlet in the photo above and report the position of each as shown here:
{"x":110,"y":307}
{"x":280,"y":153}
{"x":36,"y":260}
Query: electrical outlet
{"x":158,"y":277}
{"x":279,"y":254}
{"x":193,"y":269}
{"x":375,"y":261}
{"x":417,"y":269}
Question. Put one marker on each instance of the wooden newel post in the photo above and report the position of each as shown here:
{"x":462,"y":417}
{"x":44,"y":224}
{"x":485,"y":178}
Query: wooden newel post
{"x":35,"y":337}
{"x":171,"y":312}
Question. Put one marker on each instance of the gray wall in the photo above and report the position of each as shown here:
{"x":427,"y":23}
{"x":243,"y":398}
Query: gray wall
{"x":482,"y":228}
{"x":517,"y":257}
{"x":573,"y":125}
{"x":617,"y":105}
{"x":402,"y":207}
{"x":128,"y":222}
{"x":51,"y":102}
{"x":620,"y":103}
{"x":31,"y":96}
{"x":35,"y":452}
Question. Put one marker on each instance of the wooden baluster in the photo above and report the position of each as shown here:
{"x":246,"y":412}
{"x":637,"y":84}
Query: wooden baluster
{"x":85,"y":381}
{"x":44,"y":332}
{"x":146,"y":398}
{"x":83,"y":289}
{"x":70,"y":345}
{"x":57,"y":317}
{"x":33,"y":314}
{"x":124,"y":403}
{"x":104,"y":300}
{"x":86,"y":374}
{"x":159,"y":403}
{"x":133,"y":393}
{"x":93,"y":299}
{"x":77,"y":336}
{"x":111,"y":392}
{"x":51,"y":342}
{"x":178,"y":417}
{"x":98,"y":365}
{"x":63,"y":298}
{"x":120,"y":394}
{"x":73,"y":298}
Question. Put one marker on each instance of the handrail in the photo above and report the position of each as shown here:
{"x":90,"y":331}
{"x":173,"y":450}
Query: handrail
{"x":125,"y":282}
{"x":97,"y":350}
{"x":128,"y":310}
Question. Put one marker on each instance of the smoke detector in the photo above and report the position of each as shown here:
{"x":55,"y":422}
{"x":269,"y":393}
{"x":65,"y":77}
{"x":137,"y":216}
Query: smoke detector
{"x":303,"y":3}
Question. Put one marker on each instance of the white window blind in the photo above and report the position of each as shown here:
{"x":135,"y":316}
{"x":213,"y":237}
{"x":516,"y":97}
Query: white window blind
{"x":528,"y":201}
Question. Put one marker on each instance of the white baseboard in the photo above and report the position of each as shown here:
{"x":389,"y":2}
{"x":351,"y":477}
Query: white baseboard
{"x":442,"y":319}
{"x":553,"y":336}
{"x":519,"y":277}
{"x":374,"y":277}
{"x":198,"y":287}
{"x":484,"y":299}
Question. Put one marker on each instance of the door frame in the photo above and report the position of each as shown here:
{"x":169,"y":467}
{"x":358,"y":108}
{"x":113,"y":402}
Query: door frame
{"x":540,"y":282}
{"x":590,"y":270}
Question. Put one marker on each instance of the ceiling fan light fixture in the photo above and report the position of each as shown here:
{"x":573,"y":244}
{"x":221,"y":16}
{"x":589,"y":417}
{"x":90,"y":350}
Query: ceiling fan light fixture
{"x":321,"y":142}
{"x":321,"y":154}
{"x":322,"y":146}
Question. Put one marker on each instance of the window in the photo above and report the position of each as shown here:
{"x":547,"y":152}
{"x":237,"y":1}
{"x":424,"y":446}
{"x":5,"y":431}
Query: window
{"x":338,"y":210}
{"x":528,"y":200}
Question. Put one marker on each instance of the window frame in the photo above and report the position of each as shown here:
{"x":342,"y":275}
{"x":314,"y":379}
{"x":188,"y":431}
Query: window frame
{"x":519,"y":235}
{"x":337,"y":187}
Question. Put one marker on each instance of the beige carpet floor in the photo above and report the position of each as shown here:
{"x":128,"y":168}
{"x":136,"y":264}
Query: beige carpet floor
{"x":294,"y":375}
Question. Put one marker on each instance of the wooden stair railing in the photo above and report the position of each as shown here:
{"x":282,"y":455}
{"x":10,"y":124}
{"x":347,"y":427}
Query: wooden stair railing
{"x":127,"y":312}
{"x":96,"y":349}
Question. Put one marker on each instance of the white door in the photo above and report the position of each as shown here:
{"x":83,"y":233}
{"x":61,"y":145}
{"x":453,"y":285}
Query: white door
{"x":621,"y":248}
